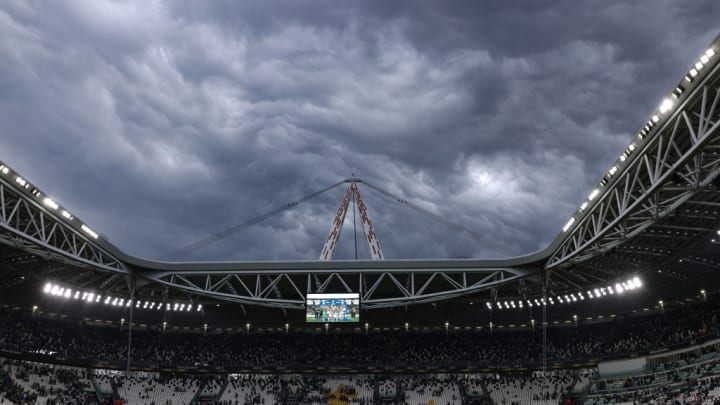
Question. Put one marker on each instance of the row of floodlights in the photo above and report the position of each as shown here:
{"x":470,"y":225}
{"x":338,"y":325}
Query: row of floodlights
{"x":47,"y":201}
{"x":91,"y":297}
{"x":618,"y":288}
{"x":666,"y":106}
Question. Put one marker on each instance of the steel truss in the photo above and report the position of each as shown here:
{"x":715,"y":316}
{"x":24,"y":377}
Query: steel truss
{"x":679,"y":161}
{"x":27,"y":225}
{"x":377,"y":289}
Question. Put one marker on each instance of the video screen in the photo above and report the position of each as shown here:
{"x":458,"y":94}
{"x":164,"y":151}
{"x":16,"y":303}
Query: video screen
{"x":326,"y":308}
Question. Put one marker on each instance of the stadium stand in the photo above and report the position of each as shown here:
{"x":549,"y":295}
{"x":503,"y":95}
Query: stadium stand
{"x":20,"y":331}
{"x":680,"y":347}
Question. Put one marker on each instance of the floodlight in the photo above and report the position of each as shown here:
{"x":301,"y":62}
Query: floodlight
{"x":593,"y":194}
{"x":50,"y":203}
{"x":47,"y":288}
{"x":665,"y":106}
{"x":710,"y":52}
{"x":704,"y":59}
{"x":89,"y":231}
{"x":618,"y":288}
{"x":698,"y":65}
{"x":655,"y":118}
{"x":637,"y":282}
{"x":569,"y":223}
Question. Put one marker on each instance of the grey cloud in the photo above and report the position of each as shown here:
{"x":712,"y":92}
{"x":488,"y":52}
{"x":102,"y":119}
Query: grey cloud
{"x":160,"y":125}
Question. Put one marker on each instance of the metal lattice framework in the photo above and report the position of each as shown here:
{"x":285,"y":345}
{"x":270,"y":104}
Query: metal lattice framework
{"x":378,"y":287}
{"x":27,"y":225}
{"x":672,"y":166}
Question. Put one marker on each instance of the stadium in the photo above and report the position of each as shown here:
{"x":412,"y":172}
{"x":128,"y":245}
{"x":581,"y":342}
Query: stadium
{"x":621,"y":306}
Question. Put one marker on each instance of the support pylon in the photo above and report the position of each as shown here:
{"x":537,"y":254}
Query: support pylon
{"x":368,"y":230}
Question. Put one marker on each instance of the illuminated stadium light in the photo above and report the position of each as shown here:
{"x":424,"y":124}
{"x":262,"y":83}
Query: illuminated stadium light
{"x":66,"y":215}
{"x":560,"y":299}
{"x":137,"y":304}
{"x":499,"y":305}
{"x":593,"y":194}
{"x":710,"y":52}
{"x":637,"y":282}
{"x":699,"y":65}
{"x":580,"y":295}
{"x":610,"y":290}
{"x":107,"y":300}
{"x":97,"y":299}
{"x":573,"y":297}
{"x":189,"y":307}
{"x":612,"y":171}
{"x":47,"y":288}
{"x":520,"y":303}
{"x":89,"y":231}
{"x":704,"y":59}
{"x":19,"y":180}
{"x":569,"y":223}
{"x":665,"y":106}
{"x":68,"y":293}
{"x":77,"y":295}
{"x":590,"y":294}
{"x":583,"y":206}
{"x":50,"y":203}
{"x":619,"y":288}
{"x":512,"y":304}
{"x":199,"y":307}
{"x":4,"y":169}
{"x":655,"y":118}
{"x":488,"y":305}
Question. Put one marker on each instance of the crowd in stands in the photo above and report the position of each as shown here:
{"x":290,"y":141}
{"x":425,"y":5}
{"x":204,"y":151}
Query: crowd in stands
{"x":20,"y":331}
{"x":27,"y":383}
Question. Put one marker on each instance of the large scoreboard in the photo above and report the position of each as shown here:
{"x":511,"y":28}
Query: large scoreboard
{"x":326,"y":308}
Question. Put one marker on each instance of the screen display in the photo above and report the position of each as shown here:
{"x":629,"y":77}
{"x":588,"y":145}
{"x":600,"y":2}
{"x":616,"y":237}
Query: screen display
{"x":326,"y":308}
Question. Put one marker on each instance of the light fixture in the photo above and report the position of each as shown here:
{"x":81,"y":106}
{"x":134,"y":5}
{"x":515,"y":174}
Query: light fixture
{"x":89,"y":231}
{"x":569,"y":223}
{"x":50,"y":203}
{"x":665,"y":106}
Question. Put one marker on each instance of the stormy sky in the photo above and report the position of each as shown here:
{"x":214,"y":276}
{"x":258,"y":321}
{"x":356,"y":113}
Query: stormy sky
{"x":160,"y":123}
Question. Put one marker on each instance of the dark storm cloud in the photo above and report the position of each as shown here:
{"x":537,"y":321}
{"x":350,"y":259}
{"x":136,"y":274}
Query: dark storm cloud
{"x":160,"y":123}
